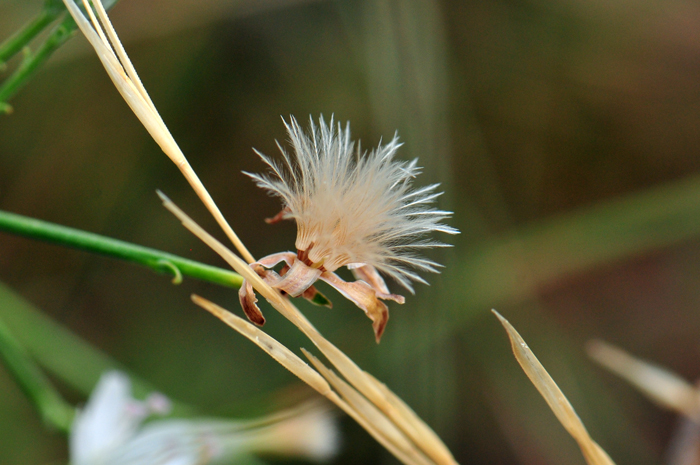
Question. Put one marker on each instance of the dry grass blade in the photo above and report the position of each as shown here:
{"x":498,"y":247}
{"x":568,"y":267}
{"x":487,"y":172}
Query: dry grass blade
{"x":299,"y":368}
{"x":121,"y":53}
{"x":402,"y":446}
{"x":402,"y":416}
{"x":232,"y":259}
{"x":272,"y":295}
{"x":279,"y":352}
{"x":415,"y":428}
{"x":125,"y":79}
{"x":123,"y":74}
{"x":662,"y":386}
{"x":408,"y":416}
{"x":556,"y":399}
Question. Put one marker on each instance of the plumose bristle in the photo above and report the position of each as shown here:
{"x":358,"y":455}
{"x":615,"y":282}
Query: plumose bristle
{"x":355,"y":208}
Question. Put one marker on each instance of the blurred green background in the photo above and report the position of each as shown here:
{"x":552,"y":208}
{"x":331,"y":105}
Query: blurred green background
{"x":564,"y":133}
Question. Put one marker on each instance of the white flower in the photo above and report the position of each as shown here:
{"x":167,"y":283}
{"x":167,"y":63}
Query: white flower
{"x":352,"y":209}
{"x":110,"y":419}
{"x":109,"y":431}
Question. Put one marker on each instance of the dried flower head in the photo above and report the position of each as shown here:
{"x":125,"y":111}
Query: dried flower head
{"x":352,"y":209}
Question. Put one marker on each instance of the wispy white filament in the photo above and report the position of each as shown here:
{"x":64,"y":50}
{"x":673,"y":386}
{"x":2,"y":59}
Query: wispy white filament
{"x":355,"y":209}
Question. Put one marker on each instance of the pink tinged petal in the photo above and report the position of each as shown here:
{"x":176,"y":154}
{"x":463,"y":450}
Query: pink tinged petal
{"x":298,"y":279}
{"x":285,"y":214}
{"x":273,"y":279}
{"x":158,"y":403}
{"x":399,"y":299}
{"x":271,"y":260}
{"x":371,"y":276}
{"x":295,"y":280}
{"x":248,"y":302}
{"x":365,"y":297}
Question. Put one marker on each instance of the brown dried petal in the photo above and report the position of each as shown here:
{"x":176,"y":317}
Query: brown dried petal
{"x":365,"y":297}
{"x":248,"y":302}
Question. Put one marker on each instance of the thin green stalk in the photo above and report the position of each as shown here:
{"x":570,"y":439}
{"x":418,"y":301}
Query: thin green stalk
{"x":54,"y":410}
{"x":20,"y":39}
{"x":32,"y":61}
{"x":156,"y":260}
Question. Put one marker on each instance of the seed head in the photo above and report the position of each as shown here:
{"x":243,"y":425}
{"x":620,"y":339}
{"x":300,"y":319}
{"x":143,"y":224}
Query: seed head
{"x":353,"y":208}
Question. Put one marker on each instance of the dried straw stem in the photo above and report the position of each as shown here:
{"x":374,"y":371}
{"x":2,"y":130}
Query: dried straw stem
{"x":122,"y":72}
{"x":395,"y":410}
{"x":380,"y":412}
{"x":372,"y":421}
{"x":555,"y":398}
{"x":659,"y":384}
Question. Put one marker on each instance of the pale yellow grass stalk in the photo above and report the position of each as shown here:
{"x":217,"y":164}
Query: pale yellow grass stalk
{"x":660,"y":385}
{"x":127,"y":82}
{"x":382,"y":430}
{"x":395,"y":410}
{"x":365,"y":399}
{"x":554,"y":397}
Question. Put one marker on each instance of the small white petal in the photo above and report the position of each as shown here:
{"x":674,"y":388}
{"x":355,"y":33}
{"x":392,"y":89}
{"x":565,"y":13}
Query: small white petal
{"x":180,"y":442}
{"x":110,"y":418}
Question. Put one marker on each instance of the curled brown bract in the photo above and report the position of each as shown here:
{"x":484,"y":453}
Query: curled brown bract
{"x":248,"y":302}
{"x":297,"y":278}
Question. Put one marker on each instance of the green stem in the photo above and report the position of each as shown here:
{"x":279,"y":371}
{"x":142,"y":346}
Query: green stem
{"x":52,"y":9}
{"x":32,"y":62}
{"x":156,"y":260}
{"x":54,"y":410}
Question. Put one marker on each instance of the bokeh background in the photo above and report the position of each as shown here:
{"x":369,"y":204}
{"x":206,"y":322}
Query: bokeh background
{"x":564,"y":133}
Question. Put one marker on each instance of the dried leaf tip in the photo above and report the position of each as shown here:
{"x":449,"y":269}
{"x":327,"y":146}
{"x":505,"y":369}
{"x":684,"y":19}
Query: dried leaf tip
{"x":352,"y":209}
{"x":659,"y":384}
{"x":554,"y":397}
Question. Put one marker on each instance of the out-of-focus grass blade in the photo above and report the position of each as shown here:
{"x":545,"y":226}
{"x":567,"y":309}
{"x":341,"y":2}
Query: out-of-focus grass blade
{"x":663,"y":387}
{"x":509,"y":269}
{"x":556,"y":399}
{"x":54,"y":410}
{"x":55,"y":348}
{"x":372,"y":415}
{"x":61,"y":352}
